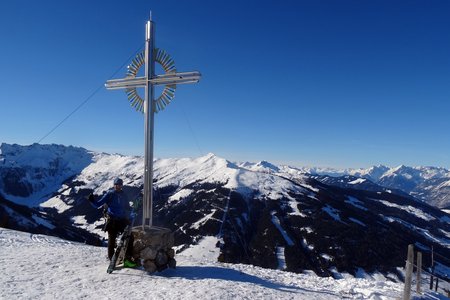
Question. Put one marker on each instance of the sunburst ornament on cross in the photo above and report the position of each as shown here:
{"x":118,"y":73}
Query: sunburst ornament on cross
{"x":149,"y":105}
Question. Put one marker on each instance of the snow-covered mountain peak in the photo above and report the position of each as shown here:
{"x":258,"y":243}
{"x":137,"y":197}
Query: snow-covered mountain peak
{"x":209,"y":155}
{"x":374,"y":172}
{"x":415,"y":174}
{"x":429,"y":172}
{"x":100,"y":174}
{"x":36,"y":170}
{"x":44,"y":156}
{"x":261,"y":166}
{"x":267,"y":166}
{"x":212,"y":160}
{"x":211,"y":168}
{"x":401,"y":170}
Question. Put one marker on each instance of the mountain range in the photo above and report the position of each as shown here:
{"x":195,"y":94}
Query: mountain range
{"x":280,"y":217}
{"x":429,"y":184}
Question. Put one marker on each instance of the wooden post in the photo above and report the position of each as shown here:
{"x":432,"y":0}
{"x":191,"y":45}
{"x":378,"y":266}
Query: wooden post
{"x":419,"y":271}
{"x":431,"y":280}
{"x":437,"y":282}
{"x":432,"y":268}
{"x":408,"y":273}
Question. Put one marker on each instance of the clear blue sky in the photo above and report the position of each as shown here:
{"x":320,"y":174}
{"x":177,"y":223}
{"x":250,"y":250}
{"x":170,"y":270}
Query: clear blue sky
{"x":318,"y":83}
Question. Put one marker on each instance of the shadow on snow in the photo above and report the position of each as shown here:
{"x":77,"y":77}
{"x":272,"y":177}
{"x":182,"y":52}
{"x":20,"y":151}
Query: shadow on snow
{"x":211,"y":272}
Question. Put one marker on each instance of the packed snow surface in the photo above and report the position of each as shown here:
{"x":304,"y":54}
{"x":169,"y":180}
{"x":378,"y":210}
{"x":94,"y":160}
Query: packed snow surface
{"x":37,"y":266}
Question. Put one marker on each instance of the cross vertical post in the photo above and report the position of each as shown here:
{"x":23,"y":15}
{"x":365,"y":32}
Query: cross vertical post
{"x":149,"y":115}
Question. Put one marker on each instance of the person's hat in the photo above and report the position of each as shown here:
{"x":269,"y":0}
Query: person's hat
{"x":118,"y":181}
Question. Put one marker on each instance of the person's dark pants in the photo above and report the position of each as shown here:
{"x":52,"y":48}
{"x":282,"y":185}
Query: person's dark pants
{"x":114,"y":228}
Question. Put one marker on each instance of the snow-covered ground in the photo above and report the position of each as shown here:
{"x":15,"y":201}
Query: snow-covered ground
{"x":44,"y":267}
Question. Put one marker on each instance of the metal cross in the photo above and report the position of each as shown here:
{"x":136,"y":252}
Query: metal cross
{"x":149,"y":105}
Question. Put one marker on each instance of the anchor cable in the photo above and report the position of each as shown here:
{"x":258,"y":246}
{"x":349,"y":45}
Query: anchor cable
{"x":91,"y":95}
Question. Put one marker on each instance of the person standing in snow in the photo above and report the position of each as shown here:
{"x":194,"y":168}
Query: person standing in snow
{"x":119,"y":212}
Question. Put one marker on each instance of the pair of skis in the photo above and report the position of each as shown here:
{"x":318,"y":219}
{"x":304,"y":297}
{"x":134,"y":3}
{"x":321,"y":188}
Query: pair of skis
{"x":122,"y":247}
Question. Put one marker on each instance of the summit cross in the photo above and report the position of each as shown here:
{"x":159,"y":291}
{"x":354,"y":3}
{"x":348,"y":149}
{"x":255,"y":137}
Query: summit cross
{"x":149,"y":105}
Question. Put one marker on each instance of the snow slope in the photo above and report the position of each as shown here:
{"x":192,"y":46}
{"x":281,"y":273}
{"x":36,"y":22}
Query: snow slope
{"x":38,"y":266}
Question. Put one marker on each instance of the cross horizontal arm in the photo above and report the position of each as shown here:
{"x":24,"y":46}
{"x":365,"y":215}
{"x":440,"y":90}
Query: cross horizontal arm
{"x":176,"y":78}
{"x":169,"y":78}
{"x":125,"y":83}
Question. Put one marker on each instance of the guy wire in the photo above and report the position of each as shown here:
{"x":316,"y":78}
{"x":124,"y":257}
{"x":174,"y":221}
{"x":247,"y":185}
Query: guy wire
{"x":91,"y":95}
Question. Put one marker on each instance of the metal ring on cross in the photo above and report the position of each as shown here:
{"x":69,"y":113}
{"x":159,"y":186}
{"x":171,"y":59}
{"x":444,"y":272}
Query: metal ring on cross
{"x":167,"y":63}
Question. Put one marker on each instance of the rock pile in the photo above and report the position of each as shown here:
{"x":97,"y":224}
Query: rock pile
{"x":152,"y":248}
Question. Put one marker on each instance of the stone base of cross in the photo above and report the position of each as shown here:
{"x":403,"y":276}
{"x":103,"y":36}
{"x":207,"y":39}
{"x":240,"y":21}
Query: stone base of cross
{"x":152,"y":248}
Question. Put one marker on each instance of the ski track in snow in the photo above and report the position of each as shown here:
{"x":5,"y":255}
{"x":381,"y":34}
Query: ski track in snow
{"x":277,"y":224}
{"x":44,"y":267}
